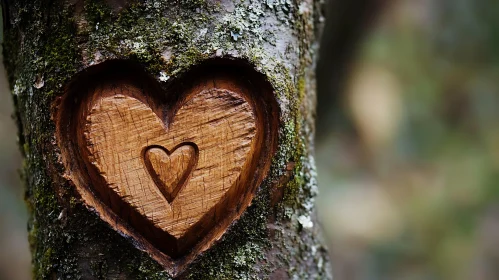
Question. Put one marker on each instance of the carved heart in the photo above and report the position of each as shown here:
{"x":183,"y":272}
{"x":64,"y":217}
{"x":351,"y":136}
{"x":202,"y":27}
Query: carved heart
{"x":171,"y":170}
{"x":119,"y":127}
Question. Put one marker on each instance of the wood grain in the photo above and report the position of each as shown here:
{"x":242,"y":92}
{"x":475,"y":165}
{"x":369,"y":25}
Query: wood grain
{"x":172,"y":168}
{"x":119,"y":128}
{"x":170,"y":171}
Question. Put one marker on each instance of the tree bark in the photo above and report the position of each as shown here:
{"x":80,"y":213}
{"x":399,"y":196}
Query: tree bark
{"x":48,"y":42}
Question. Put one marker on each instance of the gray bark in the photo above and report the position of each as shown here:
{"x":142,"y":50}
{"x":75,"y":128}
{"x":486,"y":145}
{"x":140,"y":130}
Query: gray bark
{"x":47,"y":42}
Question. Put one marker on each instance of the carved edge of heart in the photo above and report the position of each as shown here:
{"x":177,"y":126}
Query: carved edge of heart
{"x":77,"y":113}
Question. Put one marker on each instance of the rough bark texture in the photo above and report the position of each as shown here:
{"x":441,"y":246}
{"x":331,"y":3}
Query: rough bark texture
{"x":48,"y":41}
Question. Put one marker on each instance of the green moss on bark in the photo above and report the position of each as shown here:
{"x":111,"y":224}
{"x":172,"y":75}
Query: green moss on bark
{"x":47,"y":44}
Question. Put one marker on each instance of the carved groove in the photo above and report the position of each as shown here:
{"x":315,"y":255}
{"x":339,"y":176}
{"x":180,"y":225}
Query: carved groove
{"x":170,"y":171}
{"x":171,"y":166}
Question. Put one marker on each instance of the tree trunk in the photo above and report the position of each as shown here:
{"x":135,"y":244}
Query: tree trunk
{"x":55,"y":50}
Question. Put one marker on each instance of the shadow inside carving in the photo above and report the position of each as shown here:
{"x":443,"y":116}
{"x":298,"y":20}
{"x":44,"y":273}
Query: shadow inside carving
{"x":171,"y":170}
{"x":129,"y":79}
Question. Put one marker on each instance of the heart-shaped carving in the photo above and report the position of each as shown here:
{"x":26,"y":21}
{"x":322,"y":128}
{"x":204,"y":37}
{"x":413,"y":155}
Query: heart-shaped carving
{"x":119,"y":127}
{"x":172,"y":170}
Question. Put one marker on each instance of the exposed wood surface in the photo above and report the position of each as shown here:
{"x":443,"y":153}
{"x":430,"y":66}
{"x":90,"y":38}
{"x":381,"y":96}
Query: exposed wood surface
{"x":171,"y":169}
{"x":120,"y":128}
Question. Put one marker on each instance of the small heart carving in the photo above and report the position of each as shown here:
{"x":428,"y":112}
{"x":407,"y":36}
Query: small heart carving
{"x":170,"y":171}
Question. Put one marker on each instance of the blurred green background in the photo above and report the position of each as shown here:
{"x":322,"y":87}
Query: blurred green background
{"x":409,"y":179}
{"x":408,"y":174}
{"x":15,"y":260}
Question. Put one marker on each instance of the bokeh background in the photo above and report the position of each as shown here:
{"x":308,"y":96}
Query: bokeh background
{"x":15,"y":259}
{"x":408,"y":157}
{"x":409,"y":169}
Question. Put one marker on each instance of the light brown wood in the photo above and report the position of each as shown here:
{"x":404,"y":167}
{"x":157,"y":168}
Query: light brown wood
{"x":170,"y":169}
{"x":119,"y":128}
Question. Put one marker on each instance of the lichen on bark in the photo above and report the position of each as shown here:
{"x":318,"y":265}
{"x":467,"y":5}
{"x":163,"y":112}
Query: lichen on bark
{"x":48,"y":42}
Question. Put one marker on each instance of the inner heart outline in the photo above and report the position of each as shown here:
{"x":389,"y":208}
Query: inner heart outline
{"x":170,"y":192}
